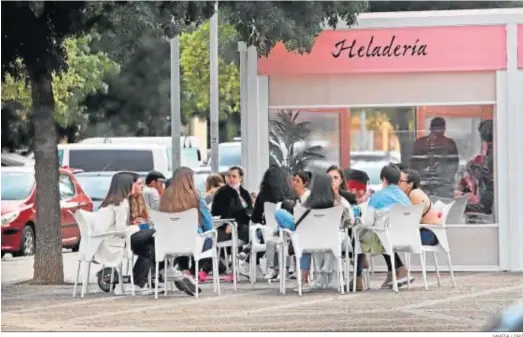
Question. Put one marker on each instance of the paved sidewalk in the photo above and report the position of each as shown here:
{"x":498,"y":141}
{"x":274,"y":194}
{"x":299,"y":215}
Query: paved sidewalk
{"x":260,"y":308}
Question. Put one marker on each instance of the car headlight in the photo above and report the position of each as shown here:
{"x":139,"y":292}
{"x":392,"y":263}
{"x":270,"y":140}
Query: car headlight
{"x":9,"y":217}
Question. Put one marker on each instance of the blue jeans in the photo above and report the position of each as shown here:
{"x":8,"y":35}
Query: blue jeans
{"x":428,"y":238}
{"x":285,"y":220}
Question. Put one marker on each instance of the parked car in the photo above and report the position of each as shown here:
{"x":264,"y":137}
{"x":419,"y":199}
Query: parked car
{"x":229,"y":154}
{"x":96,"y":184}
{"x":137,"y":157}
{"x":15,"y":159}
{"x":191,"y":155}
{"x":19,"y":209}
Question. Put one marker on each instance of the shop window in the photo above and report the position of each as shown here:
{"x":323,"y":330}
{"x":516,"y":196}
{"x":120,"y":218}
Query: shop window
{"x":304,"y":139}
{"x":451,"y":148}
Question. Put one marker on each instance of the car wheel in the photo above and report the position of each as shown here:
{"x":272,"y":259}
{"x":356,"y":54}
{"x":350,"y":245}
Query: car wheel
{"x":3,"y":253}
{"x":76,"y":247}
{"x":104,"y":279}
{"x":27,"y":246}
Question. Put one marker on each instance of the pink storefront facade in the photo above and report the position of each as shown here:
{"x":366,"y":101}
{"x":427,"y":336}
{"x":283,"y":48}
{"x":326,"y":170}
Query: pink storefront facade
{"x":463,"y":66}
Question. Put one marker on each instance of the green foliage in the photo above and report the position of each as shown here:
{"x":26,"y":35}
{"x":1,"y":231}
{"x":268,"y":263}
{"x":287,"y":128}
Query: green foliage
{"x":195,"y":66}
{"x":83,"y":75}
{"x":286,"y":133}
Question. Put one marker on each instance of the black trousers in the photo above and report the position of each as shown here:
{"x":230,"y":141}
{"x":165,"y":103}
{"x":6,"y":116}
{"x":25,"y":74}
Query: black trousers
{"x":142,"y":244}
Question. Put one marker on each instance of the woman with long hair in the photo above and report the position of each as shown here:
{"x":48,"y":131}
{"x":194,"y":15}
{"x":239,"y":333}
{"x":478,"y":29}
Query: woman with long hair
{"x":322,"y":196}
{"x":275,"y":187}
{"x":129,"y":211}
{"x":339,"y":184}
{"x":233,"y":201}
{"x":179,"y":197}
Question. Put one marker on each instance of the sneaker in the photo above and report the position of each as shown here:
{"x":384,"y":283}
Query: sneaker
{"x":359,"y":284}
{"x":203,"y":276}
{"x":271,"y":274}
{"x":187,"y":285}
{"x":173,"y":274}
{"x":402,"y":277}
{"x":242,"y":256}
{"x":244,"y":269}
{"x":305,"y":288}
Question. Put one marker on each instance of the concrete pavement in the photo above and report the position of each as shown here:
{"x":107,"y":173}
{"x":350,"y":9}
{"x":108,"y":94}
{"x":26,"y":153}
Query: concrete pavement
{"x":260,"y":307}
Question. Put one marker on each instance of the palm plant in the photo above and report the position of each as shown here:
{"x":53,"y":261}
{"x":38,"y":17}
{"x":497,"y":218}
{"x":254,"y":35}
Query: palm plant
{"x":285,"y":133}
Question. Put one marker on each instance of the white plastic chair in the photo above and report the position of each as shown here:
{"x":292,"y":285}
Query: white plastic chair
{"x":267,"y":231}
{"x":89,"y":243}
{"x":224,"y":245}
{"x":440,"y":231}
{"x":177,"y":235}
{"x":319,"y":231}
{"x":401,"y":234}
{"x":456,"y":213}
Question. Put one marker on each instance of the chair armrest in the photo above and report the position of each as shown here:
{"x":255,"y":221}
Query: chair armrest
{"x":212,"y":233}
{"x":99,"y":235}
{"x":432,"y":227}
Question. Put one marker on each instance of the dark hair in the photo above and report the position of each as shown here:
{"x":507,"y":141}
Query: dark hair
{"x":154,"y":176}
{"x":275,"y":185}
{"x":305,"y":176}
{"x":343,"y":183}
{"x":120,"y":189}
{"x":322,"y":195}
{"x":437,"y":123}
{"x":412,"y":177}
{"x":399,"y":166}
{"x":237,"y":168}
{"x":391,"y":174}
{"x":213,"y":180}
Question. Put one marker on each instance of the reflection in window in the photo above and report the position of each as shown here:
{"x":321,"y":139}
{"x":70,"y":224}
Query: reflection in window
{"x":301,"y":140}
{"x":450,"y":147}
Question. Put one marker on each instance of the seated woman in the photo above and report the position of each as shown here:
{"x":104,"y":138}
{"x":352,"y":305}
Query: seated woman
{"x":232,"y":201}
{"x":340,"y":185}
{"x":129,"y":212}
{"x":322,"y":196}
{"x":212,"y":184}
{"x":179,"y":197}
{"x":275,"y":188}
{"x":410,"y":184}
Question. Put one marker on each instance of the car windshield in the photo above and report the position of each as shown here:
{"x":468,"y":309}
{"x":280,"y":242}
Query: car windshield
{"x":95,"y":187}
{"x":17,"y":185}
{"x":230,"y":155}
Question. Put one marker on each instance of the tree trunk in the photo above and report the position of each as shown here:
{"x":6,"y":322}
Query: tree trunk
{"x":48,"y":262}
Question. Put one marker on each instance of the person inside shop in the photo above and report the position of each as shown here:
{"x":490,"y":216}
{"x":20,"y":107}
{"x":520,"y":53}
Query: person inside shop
{"x":436,"y":159}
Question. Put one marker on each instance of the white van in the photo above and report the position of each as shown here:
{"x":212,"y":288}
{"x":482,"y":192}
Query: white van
{"x":135,"y":157}
{"x":189,"y":145}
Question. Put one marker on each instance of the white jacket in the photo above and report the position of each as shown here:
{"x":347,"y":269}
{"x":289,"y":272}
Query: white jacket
{"x":112,"y":218}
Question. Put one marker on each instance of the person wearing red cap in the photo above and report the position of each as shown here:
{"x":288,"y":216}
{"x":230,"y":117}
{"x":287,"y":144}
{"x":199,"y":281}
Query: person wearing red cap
{"x":357,"y":184}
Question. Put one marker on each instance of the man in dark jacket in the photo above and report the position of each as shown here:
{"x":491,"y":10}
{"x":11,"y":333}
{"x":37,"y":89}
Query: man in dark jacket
{"x":436,"y":159}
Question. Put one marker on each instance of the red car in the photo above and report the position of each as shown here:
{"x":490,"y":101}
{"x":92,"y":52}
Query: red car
{"x":19,"y":210}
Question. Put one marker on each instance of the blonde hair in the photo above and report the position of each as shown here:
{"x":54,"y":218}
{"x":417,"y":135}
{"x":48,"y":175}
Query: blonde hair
{"x":181,"y":195}
{"x":138,"y":207}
